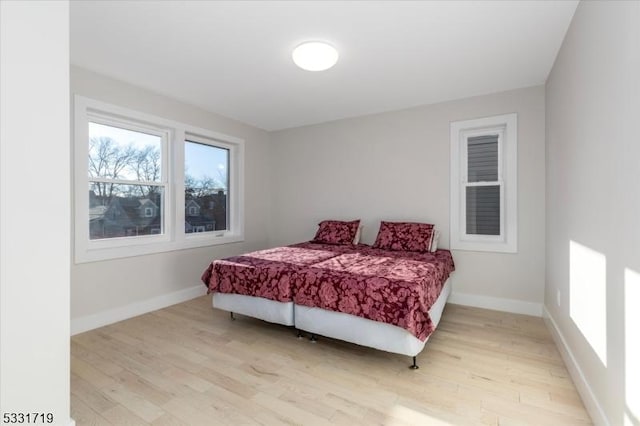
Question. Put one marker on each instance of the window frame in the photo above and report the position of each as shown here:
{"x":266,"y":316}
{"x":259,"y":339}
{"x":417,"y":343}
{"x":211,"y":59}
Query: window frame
{"x":172,"y":180}
{"x":506,"y":127}
{"x":233,"y":179}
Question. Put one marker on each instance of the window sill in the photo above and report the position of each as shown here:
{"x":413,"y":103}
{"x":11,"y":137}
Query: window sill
{"x":495,"y":247}
{"x":90,"y":254}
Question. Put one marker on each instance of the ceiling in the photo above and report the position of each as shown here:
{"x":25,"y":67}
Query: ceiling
{"x":234,"y":58}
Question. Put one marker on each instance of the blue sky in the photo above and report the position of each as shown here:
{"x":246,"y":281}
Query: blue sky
{"x":204,"y":160}
{"x":200,"y":160}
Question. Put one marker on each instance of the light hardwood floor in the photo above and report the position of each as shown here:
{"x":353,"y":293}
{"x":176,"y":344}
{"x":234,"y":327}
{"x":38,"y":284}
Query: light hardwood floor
{"x":190,"y":365}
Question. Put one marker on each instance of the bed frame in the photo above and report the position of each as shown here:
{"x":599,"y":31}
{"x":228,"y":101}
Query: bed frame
{"x":337,"y":325}
{"x":257,"y":307}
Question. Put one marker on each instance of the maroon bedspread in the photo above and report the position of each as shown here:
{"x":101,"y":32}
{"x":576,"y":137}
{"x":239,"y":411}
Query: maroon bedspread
{"x":388,"y":286}
{"x":265,"y":273}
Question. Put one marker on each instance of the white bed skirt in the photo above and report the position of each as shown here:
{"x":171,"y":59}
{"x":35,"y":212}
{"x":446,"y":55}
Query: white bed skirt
{"x":332,"y":324}
{"x":257,"y":307}
{"x":367,"y":332}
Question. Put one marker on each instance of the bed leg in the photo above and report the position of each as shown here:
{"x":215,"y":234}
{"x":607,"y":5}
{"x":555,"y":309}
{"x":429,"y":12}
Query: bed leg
{"x":299,"y":334}
{"x":313,"y":338}
{"x":231,"y":316}
{"x":414,"y":366}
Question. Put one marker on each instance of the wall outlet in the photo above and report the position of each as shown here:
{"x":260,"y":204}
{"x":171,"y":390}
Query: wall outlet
{"x":558,"y":297}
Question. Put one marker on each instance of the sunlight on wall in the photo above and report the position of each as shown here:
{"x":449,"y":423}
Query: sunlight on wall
{"x":401,"y":415}
{"x":588,"y":296}
{"x":632,"y":344}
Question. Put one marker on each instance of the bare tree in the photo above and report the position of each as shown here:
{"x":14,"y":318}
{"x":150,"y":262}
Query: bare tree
{"x":147,"y":167}
{"x":108,"y":160}
{"x":199,"y":188}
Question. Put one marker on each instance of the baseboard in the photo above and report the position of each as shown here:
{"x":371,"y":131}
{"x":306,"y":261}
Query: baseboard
{"x":588,"y":397}
{"x":497,"y":304}
{"x":90,"y":322}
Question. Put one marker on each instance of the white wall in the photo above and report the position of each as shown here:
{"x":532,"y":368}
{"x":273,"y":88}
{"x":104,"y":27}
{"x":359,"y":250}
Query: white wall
{"x":395,"y":166}
{"x":34,"y":209}
{"x":593,"y":199}
{"x":108,"y":290}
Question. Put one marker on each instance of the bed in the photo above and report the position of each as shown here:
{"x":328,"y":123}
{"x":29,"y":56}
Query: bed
{"x":259,"y":284}
{"x":386,"y":299}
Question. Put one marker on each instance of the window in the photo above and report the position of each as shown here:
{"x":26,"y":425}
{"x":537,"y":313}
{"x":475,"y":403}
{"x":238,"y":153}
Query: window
{"x":133,"y":170}
{"x":124,"y":170}
{"x":484,"y":184}
{"x":206,"y":182}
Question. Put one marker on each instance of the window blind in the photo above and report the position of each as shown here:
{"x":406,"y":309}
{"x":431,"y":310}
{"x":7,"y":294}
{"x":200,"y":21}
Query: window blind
{"x":482,"y":158}
{"x":483,"y":210}
{"x":483,"y":202}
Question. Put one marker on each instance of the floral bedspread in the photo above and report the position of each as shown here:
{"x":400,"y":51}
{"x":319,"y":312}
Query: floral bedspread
{"x":265,"y":273}
{"x":394,"y":287}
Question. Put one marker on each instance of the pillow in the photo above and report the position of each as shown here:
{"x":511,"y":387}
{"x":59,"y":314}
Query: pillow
{"x":405,"y":236}
{"x":356,"y":239}
{"x":336,"y":232}
{"x":434,"y":240}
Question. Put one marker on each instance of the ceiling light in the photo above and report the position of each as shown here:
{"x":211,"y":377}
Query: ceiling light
{"x":315,"y":56}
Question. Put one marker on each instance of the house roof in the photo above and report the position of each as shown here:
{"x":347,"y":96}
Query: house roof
{"x":97,"y":212}
{"x":129,"y":208}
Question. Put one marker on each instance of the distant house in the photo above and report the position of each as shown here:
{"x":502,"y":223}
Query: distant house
{"x":124,"y":217}
{"x":206,"y":213}
{"x":195,"y":220}
{"x":147,"y":209}
{"x":97,"y":212}
{"x":191,"y":208}
{"x":112,"y":217}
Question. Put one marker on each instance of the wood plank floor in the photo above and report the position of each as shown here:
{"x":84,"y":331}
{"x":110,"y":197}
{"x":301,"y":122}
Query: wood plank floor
{"x":190,"y":365}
